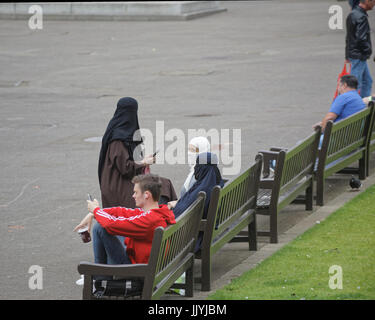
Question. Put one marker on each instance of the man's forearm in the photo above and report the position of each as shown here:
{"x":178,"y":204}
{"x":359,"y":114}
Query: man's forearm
{"x":330,"y":116}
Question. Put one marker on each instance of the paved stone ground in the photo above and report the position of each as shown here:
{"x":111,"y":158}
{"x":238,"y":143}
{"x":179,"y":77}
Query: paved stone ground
{"x":268,"y":68}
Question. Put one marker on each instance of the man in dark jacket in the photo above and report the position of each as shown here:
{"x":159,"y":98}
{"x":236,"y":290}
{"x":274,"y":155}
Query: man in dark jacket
{"x":358,"y":45}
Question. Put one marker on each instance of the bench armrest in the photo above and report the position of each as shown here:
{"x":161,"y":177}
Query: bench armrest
{"x":277,"y":149}
{"x":123,"y":270}
{"x":202,"y":225}
{"x":266,"y":183}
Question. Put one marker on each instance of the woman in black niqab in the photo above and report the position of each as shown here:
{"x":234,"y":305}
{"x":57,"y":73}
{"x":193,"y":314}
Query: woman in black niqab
{"x":121,"y":158}
{"x":123,"y":126}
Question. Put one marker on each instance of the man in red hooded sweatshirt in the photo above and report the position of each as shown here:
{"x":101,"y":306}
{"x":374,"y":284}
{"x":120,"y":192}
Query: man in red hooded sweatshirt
{"x":136,"y":225}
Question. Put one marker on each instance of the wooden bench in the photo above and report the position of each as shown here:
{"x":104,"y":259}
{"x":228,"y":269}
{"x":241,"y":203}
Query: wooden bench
{"x":371,"y":141}
{"x":344,"y":142}
{"x":293,"y":175}
{"x":172,"y":254}
{"x":231,"y":209}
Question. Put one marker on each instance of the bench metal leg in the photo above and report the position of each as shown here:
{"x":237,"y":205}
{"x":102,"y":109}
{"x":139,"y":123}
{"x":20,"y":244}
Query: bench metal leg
{"x":87,"y":287}
{"x":206,"y":271}
{"x":320,"y":192}
{"x":309,"y":198}
{"x":362,"y":168}
{"x":253,"y":244}
{"x":189,"y":281}
{"x":273,"y":226}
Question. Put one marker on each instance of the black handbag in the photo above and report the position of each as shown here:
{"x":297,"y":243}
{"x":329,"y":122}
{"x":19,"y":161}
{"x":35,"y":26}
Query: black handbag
{"x":118,"y":288}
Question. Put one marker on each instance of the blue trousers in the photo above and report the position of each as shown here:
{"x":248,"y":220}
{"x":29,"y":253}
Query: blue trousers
{"x":360,"y":69}
{"x":108,"y":249}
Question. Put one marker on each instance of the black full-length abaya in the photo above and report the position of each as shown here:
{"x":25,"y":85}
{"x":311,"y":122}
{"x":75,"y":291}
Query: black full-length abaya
{"x":121,"y":147}
{"x":116,"y":166}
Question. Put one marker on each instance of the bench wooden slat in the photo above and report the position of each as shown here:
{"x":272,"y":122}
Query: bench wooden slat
{"x":234,"y":217}
{"x":355,"y":147}
{"x":264,"y":197}
{"x":171,"y":278}
{"x":231,"y":232}
{"x":371,"y":140}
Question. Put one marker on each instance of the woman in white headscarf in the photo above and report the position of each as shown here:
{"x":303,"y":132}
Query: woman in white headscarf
{"x":196,"y":146}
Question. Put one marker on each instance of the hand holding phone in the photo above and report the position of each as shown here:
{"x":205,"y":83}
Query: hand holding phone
{"x":149,"y":160}
{"x":155,"y":153}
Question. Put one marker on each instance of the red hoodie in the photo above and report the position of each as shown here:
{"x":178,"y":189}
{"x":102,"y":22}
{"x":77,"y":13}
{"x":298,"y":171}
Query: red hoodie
{"x":136,"y":225}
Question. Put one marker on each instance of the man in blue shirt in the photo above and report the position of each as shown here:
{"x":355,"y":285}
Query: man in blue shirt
{"x":346,"y":103}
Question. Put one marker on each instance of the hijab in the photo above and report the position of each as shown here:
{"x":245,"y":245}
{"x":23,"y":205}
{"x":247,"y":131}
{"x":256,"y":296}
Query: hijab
{"x":207,"y":175}
{"x":123,"y":126}
{"x":203,"y":145}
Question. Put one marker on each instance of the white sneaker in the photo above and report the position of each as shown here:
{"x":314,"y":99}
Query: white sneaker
{"x":79,"y":282}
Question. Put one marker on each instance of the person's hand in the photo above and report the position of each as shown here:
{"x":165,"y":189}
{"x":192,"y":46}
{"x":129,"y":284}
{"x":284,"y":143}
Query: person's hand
{"x":347,"y":61}
{"x":171,"y":204}
{"x":91,"y":205}
{"x":316,"y":125}
{"x":366,"y":100}
{"x":86,"y":222}
{"x":149,"y":160}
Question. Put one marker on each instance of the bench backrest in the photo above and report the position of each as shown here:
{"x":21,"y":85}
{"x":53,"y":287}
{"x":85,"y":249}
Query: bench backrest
{"x":228,"y":204}
{"x":295,"y":164}
{"x":372,"y":130}
{"x":172,"y":245}
{"x":346,"y":136}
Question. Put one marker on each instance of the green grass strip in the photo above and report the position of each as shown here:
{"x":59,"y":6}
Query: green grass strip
{"x":300,"y":270}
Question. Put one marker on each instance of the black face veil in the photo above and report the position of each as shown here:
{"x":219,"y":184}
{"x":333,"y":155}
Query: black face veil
{"x":123,"y":126}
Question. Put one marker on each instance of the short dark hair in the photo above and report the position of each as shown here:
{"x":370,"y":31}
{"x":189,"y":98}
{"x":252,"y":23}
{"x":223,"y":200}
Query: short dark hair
{"x":350,"y":80}
{"x":149,"y":182}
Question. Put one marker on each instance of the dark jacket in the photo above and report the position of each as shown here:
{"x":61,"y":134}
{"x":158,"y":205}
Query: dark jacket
{"x":358,"y":41}
{"x":117,"y":173}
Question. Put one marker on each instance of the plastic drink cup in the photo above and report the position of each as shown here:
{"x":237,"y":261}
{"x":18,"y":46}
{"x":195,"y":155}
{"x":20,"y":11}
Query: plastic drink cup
{"x":85,"y":234}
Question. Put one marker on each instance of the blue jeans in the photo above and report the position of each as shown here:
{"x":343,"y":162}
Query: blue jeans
{"x":108,"y":249}
{"x":360,"y":69}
